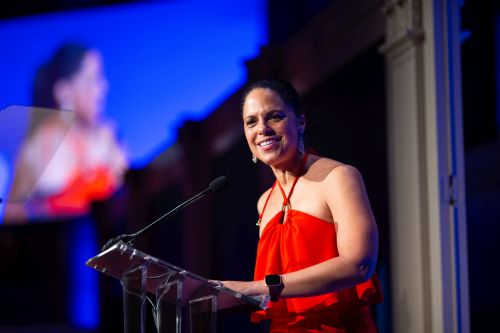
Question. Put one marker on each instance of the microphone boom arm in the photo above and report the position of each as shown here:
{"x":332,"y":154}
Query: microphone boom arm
{"x":214,"y":187}
{"x":170,"y":213}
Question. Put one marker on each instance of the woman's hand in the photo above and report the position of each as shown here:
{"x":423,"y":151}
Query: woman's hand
{"x":249,"y":288}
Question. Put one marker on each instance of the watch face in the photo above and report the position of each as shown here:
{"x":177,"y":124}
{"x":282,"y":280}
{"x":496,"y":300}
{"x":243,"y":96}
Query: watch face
{"x":273,"y":280}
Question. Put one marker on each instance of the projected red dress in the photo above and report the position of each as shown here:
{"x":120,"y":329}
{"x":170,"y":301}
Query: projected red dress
{"x":301,"y":241}
{"x":65,"y":170}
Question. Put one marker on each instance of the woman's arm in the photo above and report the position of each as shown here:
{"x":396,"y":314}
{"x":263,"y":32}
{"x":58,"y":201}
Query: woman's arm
{"x":357,"y":242}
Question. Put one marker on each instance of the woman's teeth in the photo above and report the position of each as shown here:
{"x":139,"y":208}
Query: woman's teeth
{"x":267,"y":143}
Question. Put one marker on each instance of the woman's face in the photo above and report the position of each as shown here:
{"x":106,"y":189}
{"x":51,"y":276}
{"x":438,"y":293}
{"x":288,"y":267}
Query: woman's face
{"x":271,"y":127}
{"x":89,"y":88}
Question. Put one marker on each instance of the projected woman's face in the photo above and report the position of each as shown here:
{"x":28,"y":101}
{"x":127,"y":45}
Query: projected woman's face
{"x":89,"y":88}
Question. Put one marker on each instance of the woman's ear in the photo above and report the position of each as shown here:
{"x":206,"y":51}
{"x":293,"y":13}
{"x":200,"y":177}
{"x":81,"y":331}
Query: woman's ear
{"x":63,"y":95}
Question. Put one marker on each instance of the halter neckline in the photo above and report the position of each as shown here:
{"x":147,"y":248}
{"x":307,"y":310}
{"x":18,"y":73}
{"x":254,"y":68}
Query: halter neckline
{"x":286,"y":198}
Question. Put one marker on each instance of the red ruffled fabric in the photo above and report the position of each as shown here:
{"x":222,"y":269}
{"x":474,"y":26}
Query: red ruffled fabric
{"x":338,"y":318}
{"x":302,"y":241}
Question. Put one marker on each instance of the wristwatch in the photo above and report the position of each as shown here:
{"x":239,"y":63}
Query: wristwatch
{"x":275,"y":284}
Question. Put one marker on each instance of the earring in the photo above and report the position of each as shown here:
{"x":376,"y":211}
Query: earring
{"x":254,"y":159}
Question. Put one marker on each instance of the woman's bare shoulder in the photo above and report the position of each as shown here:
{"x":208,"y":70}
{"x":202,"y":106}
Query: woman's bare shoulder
{"x":328,"y":171}
{"x":54,"y":122}
{"x":322,"y":166}
{"x":50,"y":131}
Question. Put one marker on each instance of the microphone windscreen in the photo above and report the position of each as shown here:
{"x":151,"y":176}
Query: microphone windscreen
{"x":218,"y":184}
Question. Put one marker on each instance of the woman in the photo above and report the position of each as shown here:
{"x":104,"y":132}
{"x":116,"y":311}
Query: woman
{"x":318,"y":238}
{"x":63,"y":167}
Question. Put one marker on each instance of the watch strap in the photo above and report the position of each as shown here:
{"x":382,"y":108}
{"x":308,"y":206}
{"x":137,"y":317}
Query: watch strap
{"x":275,"y":284}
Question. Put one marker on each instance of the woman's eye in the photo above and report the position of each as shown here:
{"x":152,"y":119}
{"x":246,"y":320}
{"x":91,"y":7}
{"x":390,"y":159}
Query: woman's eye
{"x":277,"y":116}
{"x":250,"y":122}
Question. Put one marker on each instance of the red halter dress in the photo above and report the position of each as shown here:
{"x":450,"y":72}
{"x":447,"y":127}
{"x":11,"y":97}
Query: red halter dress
{"x":297,"y":241}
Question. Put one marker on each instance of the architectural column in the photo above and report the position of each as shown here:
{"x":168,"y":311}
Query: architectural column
{"x":425,"y":167}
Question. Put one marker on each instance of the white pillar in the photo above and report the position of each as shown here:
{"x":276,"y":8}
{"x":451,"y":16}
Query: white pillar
{"x":429,"y":290}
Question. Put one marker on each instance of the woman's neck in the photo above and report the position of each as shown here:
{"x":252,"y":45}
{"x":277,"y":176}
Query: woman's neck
{"x":289,"y":171}
{"x":86,"y":123}
{"x":84,"y":128}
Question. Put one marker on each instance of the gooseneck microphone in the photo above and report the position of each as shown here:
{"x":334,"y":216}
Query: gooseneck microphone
{"x":215,"y":186}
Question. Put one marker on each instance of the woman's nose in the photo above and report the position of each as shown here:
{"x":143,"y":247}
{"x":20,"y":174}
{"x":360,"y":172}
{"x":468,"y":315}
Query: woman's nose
{"x":264,"y":129}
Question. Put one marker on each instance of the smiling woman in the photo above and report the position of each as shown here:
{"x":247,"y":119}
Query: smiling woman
{"x":60,"y":170}
{"x":318,"y":244}
{"x":272,"y":128}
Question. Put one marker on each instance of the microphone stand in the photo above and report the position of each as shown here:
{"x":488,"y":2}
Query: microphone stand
{"x":215,"y":186}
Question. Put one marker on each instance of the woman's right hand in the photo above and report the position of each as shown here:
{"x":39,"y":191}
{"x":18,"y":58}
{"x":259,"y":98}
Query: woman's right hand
{"x":249,"y":288}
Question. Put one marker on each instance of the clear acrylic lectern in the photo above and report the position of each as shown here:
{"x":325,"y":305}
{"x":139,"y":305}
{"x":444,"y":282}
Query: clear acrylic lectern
{"x":173,"y":293}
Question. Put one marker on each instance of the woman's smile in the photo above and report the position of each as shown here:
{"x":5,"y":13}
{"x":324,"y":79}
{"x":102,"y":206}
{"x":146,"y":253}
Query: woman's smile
{"x":269,"y":144}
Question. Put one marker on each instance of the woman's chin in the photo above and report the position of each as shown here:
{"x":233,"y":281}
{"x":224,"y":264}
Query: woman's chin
{"x":270,"y":159}
{"x":89,"y":119}
{"x":278,"y":158}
